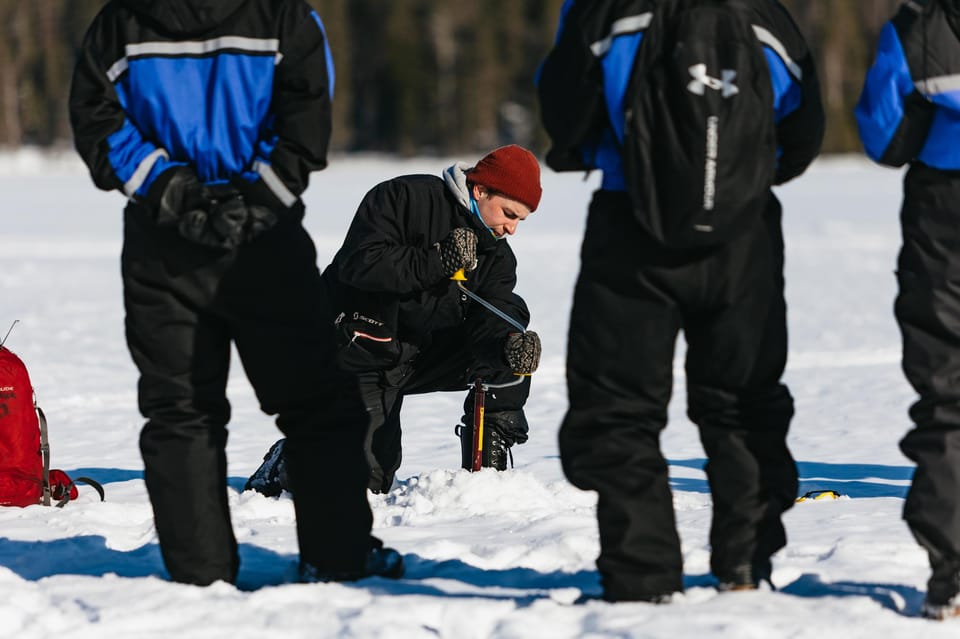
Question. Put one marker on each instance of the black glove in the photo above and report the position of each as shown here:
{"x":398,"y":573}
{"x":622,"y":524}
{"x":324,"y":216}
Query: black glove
{"x":221,"y":226}
{"x":260,"y":219}
{"x":522,"y":352}
{"x":209,"y":215}
{"x":264,"y":209}
{"x":458,"y":251}
{"x":175,"y":192}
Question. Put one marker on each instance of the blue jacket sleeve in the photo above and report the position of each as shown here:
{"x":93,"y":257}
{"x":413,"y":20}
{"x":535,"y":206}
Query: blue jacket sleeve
{"x":294,"y":142}
{"x":570,"y":91}
{"x":892,"y":117}
{"x":798,"y":110}
{"x":116,"y":151}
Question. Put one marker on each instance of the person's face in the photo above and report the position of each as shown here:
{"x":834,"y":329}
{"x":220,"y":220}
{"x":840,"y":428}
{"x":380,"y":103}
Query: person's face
{"x":499,"y":212}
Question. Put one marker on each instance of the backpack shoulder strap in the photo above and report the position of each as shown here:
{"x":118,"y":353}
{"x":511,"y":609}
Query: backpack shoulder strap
{"x":45,"y":454}
{"x":620,"y":20}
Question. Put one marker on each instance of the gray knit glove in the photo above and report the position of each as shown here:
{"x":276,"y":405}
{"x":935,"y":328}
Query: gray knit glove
{"x":458,"y":251}
{"x":522,"y":352}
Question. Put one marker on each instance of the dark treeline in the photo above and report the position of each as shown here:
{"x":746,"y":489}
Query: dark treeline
{"x":413,"y":76}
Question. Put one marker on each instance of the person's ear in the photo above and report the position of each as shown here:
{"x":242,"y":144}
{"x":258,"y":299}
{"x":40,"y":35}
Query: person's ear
{"x":479,"y":192}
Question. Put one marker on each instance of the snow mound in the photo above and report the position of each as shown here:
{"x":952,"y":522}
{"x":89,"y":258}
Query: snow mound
{"x":449,"y":495}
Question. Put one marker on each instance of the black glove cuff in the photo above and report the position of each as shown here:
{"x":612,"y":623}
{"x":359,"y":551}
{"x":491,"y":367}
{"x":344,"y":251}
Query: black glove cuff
{"x":154,"y":193}
{"x":257,"y":192}
{"x":174,"y":192}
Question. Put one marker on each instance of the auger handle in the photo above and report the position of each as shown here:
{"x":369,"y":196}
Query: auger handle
{"x":460,"y":277}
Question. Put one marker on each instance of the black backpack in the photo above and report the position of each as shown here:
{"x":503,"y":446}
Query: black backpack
{"x":700,"y":147}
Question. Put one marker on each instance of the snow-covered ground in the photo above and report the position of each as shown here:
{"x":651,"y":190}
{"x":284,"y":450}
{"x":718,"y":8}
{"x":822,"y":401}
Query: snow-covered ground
{"x":488,"y":554}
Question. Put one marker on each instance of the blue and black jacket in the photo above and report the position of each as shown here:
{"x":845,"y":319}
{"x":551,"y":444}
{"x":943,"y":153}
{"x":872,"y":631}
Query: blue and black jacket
{"x":583,"y":85}
{"x":236,"y":89}
{"x":909,"y":110}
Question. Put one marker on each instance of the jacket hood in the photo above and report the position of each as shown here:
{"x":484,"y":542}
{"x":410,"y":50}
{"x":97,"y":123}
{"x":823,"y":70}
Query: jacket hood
{"x":184,"y":17}
{"x":455,"y":177}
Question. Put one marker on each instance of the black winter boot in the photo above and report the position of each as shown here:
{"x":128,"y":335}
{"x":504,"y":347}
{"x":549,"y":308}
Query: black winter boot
{"x":496,"y":450}
{"x":271,"y":478}
{"x":943,"y":591}
{"x":746,"y":576}
{"x":380,"y":562}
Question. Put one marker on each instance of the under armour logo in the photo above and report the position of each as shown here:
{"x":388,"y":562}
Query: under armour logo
{"x":701,"y":81}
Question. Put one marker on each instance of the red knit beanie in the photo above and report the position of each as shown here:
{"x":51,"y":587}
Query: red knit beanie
{"x":512,"y":171}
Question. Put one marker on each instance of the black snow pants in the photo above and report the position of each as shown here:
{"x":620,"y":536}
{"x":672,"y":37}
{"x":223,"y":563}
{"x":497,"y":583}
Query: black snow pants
{"x":446,"y":365}
{"x":928,"y":312}
{"x":631,"y":300}
{"x":185,"y":304}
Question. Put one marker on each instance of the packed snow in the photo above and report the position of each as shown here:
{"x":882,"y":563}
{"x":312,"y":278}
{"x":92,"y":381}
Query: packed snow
{"x":488,"y":554}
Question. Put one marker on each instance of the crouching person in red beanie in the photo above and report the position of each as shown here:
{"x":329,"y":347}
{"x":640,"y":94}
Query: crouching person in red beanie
{"x":401,"y":326}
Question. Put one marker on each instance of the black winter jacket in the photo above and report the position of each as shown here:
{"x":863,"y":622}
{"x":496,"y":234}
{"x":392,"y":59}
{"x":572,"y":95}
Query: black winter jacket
{"x":386,"y":285}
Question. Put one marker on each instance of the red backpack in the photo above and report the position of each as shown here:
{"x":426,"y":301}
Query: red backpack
{"x":25,"y":475}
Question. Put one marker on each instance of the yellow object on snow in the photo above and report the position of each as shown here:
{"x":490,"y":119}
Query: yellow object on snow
{"x":817,"y":495}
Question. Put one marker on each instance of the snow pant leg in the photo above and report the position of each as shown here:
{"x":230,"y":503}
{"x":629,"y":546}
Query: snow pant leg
{"x":328,"y":475}
{"x":928,"y":313}
{"x":503,"y":409}
{"x":506,"y":398}
{"x":382,"y":445}
{"x":735,"y":358}
{"x":449,"y":365}
{"x":182,"y":353}
{"x":619,"y":378}
{"x":283,"y":327}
